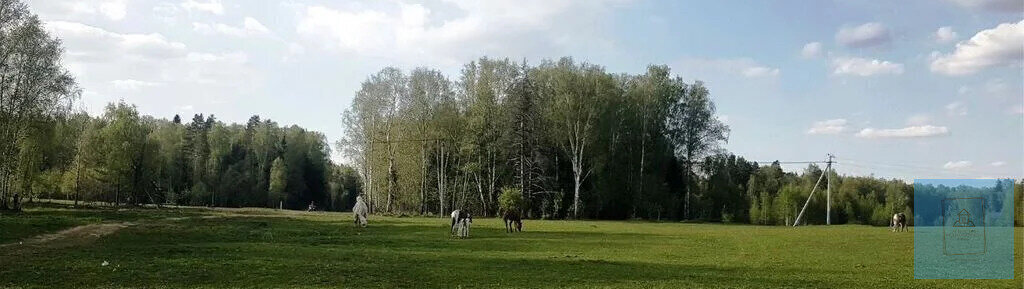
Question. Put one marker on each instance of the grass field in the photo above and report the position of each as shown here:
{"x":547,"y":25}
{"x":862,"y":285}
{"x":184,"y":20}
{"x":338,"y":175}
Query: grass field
{"x":268,"y":248}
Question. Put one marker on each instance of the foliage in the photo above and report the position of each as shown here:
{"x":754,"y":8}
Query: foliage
{"x":35,"y":91}
{"x":510,"y":200}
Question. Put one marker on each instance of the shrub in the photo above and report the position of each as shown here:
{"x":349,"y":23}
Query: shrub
{"x":510,"y":200}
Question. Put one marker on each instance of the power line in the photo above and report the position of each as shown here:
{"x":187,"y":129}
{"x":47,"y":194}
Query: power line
{"x":794,"y":162}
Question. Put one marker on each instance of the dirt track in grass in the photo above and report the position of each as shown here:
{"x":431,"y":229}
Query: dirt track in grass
{"x":75,"y":235}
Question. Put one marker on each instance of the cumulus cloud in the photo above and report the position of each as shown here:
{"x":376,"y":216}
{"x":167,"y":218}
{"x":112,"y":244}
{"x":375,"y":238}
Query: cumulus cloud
{"x":82,"y":9}
{"x":760,"y":71}
{"x":111,"y":65}
{"x":864,"y":67}
{"x":832,"y":126}
{"x":811,"y":50}
{"x":250,"y":27}
{"x":745,"y":67}
{"x":956,"y":108}
{"x":945,"y":34}
{"x":951,"y":165}
{"x":451,"y":34}
{"x":114,"y":10}
{"x":211,"y":6}
{"x":131,"y":84}
{"x":92,"y":44}
{"x":998,"y":163}
{"x":999,"y":46}
{"x":906,"y":132}
{"x":864,"y":35}
{"x":1014,"y":6}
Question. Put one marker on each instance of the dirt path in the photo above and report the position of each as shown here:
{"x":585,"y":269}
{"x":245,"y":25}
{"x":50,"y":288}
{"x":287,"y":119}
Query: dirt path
{"x":72,"y":236}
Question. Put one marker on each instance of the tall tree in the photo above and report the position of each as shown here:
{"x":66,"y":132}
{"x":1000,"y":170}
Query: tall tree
{"x":33,"y":84}
{"x":427,"y":88}
{"x":576,"y":94}
{"x":695,"y":131}
{"x":278,"y":181}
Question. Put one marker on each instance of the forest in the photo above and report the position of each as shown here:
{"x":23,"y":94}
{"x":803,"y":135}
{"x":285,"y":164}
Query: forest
{"x":579,"y":142}
{"x":576,"y":140}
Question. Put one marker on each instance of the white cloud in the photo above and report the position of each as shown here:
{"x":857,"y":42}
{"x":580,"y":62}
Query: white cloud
{"x":811,"y":50}
{"x":864,"y":35}
{"x":906,"y":132}
{"x":832,"y":126}
{"x":760,"y":71}
{"x":91,"y":44}
{"x":250,"y":27}
{"x":737,"y":66}
{"x":110,"y":66}
{"x":114,"y":10}
{"x":997,"y":87}
{"x":956,"y":108}
{"x":234,"y":57}
{"x":436,"y":35}
{"x":251,"y":24}
{"x":945,"y":34}
{"x":294,"y":49}
{"x":999,"y":46}
{"x":864,"y":67}
{"x":951,"y":165}
{"x":998,"y":163}
{"x":1014,"y":6}
{"x":919,"y":119}
{"x":131,"y":84}
{"x":211,"y":6}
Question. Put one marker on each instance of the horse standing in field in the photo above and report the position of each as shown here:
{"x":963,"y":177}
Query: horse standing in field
{"x":513,"y":222}
{"x":899,"y":222}
{"x":360,"y":210}
{"x":460,"y":223}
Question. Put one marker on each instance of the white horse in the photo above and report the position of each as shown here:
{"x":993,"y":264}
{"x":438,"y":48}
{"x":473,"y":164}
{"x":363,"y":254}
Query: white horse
{"x":461,"y":222}
{"x":899,"y":222}
{"x":360,"y":211}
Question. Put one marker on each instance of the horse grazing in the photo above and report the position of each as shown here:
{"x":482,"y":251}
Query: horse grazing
{"x":460,"y":223}
{"x":899,"y":222}
{"x":513,"y":222}
{"x":360,"y":210}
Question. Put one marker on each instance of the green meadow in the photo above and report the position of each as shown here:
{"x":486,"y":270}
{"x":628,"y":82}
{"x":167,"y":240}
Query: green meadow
{"x":58,"y":247}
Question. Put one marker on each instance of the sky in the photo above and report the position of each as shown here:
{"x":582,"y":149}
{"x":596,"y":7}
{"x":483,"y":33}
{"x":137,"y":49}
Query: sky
{"x":897,"y":89}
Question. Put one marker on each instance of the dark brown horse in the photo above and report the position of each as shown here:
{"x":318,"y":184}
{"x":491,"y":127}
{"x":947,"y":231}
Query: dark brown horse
{"x":513,"y":222}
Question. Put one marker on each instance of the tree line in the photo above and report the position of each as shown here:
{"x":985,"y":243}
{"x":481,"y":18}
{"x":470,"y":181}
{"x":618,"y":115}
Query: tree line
{"x":124,"y":158}
{"x":573,"y":139}
{"x":578,"y":142}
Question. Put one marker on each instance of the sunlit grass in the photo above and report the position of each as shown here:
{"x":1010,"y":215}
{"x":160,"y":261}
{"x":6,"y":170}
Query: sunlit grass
{"x":267,"y":248}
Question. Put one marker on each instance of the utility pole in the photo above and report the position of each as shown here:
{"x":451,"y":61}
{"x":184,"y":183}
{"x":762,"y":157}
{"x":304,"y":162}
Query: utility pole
{"x":828,"y":190}
{"x":828,"y":187}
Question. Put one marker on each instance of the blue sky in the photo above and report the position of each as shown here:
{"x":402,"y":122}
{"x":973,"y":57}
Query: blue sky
{"x":918,"y":89}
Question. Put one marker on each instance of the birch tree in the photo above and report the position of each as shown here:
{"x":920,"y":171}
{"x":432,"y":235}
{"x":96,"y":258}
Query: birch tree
{"x":575,"y":94}
{"x":33,"y":84}
{"x":695,"y":131}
